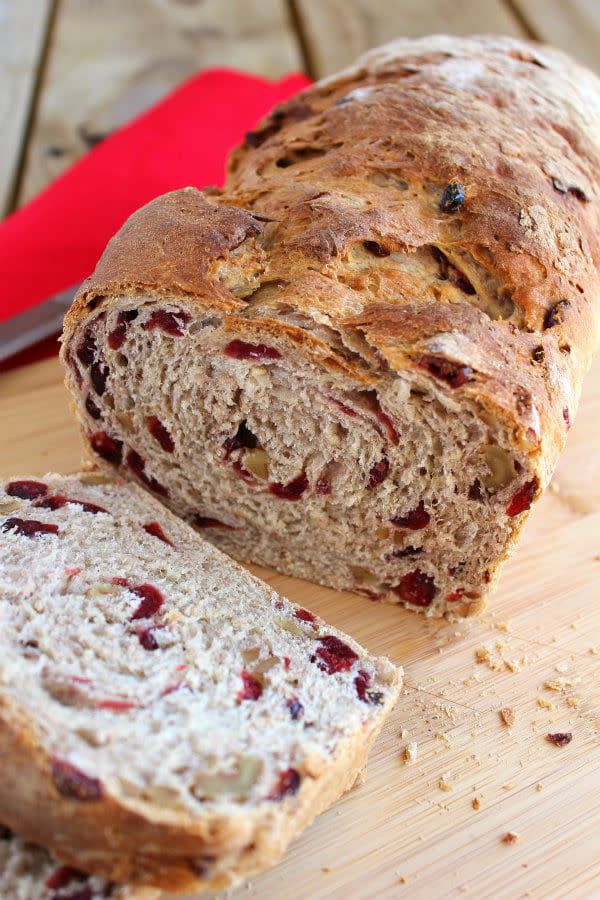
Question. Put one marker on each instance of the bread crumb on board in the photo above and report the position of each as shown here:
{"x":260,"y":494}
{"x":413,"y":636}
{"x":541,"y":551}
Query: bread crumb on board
{"x":445,"y":784}
{"x":476,"y":803}
{"x":545,"y":704}
{"x":560,"y":684}
{"x":511,"y":837}
{"x":409,"y":754}
{"x":507,"y":714}
{"x":498,"y":657}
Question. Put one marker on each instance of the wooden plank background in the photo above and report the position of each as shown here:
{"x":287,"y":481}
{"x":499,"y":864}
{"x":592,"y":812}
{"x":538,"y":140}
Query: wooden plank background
{"x":23,"y":29}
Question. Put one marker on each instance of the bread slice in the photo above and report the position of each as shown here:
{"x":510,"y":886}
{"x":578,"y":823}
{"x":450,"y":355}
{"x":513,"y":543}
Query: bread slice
{"x":28,"y":872}
{"x":165,"y":718}
{"x":358,"y":364}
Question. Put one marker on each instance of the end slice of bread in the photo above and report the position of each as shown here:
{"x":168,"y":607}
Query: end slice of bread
{"x":166,"y":719}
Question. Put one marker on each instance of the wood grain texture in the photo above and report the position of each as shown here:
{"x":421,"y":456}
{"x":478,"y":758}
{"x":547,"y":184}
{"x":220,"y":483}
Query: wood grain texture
{"x":23,"y":26}
{"x":337,"y":31}
{"x":110,"y":60}
{"x":542,"y":626}
{"x":572,"y":25}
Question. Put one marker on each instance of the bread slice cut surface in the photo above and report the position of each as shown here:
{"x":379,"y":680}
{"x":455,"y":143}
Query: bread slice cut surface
{"x":165,"y":718}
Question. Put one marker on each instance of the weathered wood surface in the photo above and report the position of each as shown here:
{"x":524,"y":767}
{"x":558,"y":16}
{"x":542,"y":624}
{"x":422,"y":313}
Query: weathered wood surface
{"x":543,"y":625}
{"x":23,"y":26}
{"x":336,"y":31}
{"x":572,"y":25}
{"x":110,"y":60}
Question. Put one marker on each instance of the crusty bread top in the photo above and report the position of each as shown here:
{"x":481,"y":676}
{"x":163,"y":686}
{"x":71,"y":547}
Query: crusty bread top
{"x":438,"y":198}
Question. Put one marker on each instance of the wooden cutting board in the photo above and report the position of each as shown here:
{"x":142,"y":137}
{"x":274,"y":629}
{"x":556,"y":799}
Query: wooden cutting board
{"x":412,"y":830}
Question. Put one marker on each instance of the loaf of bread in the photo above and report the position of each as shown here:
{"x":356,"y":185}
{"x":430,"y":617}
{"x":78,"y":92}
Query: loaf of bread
{"x":165,"y":718}
{"x":28,"y":872}
{"x":359,"y":362}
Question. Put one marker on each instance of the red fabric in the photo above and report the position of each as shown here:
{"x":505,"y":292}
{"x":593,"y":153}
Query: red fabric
{"x":55,"y":240}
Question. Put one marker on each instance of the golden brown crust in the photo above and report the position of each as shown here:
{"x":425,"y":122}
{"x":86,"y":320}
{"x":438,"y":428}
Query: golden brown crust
{"x":365,"y":157}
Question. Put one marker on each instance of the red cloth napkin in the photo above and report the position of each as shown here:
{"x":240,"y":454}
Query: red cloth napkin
{"x":55,"y":240}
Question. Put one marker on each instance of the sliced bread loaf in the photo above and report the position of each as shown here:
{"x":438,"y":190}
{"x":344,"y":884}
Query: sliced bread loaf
{"x":359,"y":362}
{"x":165,"y":718}
{"x":28,"y":872}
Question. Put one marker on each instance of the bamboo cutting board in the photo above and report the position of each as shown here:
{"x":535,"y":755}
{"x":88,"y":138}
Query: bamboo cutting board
{"x":434,"y":826}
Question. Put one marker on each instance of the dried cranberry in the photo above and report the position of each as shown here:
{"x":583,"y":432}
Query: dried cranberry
{"x":416,"y":588}
{"x":522,"y":500}
{"x":116,"y":704}
{"x":156,"y":531}
{"x":147,"y":639}
{"x":170,"y":322}
{"x":345,"y":409}
{"x":453,"y":197}
{"x":57,"y":501}
{"x":160,"y":433}
{"x":567,"y":416}
{"x":560,"y":738}
{"x":63,"y":876}
{"x":152,"y":600}
{"x":207,"y":522}
{"x":453,"y":374}
{"x":556,"y":315}
{"x":241,"y":350}
{"x":416,"y":519}
{"x":252,"y":688}
{"x":107,"y":447}
{"x":334,"y":655}
{"x":28,"y":527}
{"x":73,"y":783}
{"x":243,"y":438}
{"x":138,"y":466}
{"x":91,"y":408}
{"x":378,"y":472}
{"x":26,"y":490}
{"x":406,"y":551}
{"x":376,"y":248}
{"x":98,"y":376}
{"x":287,"y":784}
{"x":293,"y":490}
{"x":455,"y":596}
{"x":460,"y":280}
{"x":116,"y":338}
{"x":323,"y":485}
{"x":295,"y":707}
{"x":388,"y":425}
{"x":86,"y":352}
{"x":304,"y":615}
{"x":361,"y":683}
